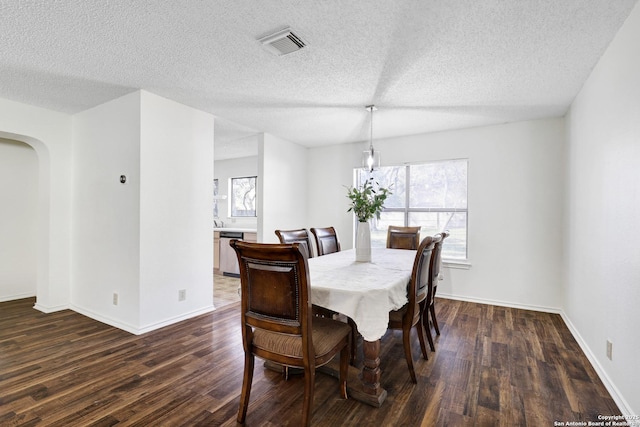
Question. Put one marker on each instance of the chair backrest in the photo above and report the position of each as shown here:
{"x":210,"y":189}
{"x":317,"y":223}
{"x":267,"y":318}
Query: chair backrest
{"x":296,"y":236}
{"x":418,"y":287}
{"x":274,"y":283}
{"x":403,"y":237}
{"x":326,"y":240}
{"x":437,"y":257}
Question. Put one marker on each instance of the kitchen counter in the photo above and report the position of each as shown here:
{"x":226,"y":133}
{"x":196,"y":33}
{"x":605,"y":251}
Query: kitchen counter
{"x":238,"y":230}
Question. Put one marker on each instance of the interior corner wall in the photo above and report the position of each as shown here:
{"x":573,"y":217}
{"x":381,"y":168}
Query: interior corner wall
{"x":106,"y":213}
{"x":515,"y":197}
{"x":602,"y":292}
{"x":176,"y":211}
{"x":18,"y":220}
{"x":282,"y":187}
{"x":49,"y":133}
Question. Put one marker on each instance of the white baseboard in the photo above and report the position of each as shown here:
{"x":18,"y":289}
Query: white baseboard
{"x":106,"y":320}
{"x":141,"y":330}
{"x":171,"y":321}
{"x":47,"y":309}
{"x":5,"y":298}
{"x":555,"y":310}
{"x":609,"y":385}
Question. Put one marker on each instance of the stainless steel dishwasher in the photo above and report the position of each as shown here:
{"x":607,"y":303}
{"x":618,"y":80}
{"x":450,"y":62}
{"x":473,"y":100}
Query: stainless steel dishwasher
{"x":228,"y":257}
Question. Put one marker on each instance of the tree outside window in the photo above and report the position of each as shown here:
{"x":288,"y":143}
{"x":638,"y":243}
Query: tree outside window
{"x":430,"y":195}
{"x":243,"y":196}
{"x":215,"y":198}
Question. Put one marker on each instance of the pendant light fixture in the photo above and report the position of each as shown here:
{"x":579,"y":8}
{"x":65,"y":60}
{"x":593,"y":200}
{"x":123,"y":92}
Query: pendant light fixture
{"x":371,"y":157}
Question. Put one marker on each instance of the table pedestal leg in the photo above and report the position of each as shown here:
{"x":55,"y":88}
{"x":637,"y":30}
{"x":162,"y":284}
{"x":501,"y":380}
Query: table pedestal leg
{"x":368,"y":390}
{"x":371,"y":369}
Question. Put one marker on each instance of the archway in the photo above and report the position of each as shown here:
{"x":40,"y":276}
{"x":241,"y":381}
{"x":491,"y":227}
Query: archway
{"x":42,"y":217}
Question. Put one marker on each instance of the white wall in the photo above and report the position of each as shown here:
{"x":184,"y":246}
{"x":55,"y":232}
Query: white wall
{"x":151,"y":237}
{"x":330,"y":171}
{"x":176,"y":210}
{"x":515,"y":198}
{"x":602,"y":291}
{"x":106,"y":213}
{"x":224,"y":170}
{"x":49,"y":133}
{"x":282,"y":187}
{"x":18,"y":220}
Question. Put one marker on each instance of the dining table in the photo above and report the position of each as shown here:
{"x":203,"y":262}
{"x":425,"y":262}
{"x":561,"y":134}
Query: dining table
{"x":365,"y":292}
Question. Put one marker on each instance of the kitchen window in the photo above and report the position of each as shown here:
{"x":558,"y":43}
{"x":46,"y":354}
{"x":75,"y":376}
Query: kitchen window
{"x":215,"y":198}
{"x":243,"y":197}
{"x":431,"y":195}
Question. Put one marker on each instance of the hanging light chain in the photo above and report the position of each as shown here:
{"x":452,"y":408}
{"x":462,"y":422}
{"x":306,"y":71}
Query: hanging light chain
{"x":370,"y":162}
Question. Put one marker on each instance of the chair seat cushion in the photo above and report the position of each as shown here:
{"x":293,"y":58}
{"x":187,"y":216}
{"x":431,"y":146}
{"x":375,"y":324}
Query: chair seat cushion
{"x":326,"y":334}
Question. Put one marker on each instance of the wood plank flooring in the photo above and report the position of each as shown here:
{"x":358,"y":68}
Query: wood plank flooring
{"x":493,"y":366}
{"x":225,"y":290}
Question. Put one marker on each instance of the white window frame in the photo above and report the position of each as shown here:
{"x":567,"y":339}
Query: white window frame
{"x":407,"y":209}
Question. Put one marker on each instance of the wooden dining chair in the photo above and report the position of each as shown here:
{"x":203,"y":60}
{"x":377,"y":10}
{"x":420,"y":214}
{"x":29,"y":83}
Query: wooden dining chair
{"x":435,"y":277}
{"x":277,"y":324}
{"x":296,"y":236}
{"x":326,"y":240}
{"x":302,"y":236}
{"x":410,"y":314}
{"x":426,"y":304}
{"x":403,"y":237}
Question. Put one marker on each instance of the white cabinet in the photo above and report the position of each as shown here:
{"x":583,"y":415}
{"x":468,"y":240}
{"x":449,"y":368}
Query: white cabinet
{"x":216,"y":251}
{"x":224,"y":257}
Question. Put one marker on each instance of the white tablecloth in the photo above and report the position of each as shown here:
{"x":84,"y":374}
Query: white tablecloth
{"x":365,"y":292}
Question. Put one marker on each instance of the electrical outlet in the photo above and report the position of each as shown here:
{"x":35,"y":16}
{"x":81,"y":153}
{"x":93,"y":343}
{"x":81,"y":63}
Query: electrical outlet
{"x":609,"y":350}
{"x":182,"y":294}
{"x":115,"y":298}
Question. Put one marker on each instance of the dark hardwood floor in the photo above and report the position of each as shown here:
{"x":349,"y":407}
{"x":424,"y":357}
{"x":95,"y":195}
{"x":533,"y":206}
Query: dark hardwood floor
{"x":492,"y":366}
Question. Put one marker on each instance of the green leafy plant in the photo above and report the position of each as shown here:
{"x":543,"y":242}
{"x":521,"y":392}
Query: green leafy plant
{"x":367,"y":201}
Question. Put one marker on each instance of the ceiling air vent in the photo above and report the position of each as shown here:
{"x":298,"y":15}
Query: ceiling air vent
{"x":283,"y":42}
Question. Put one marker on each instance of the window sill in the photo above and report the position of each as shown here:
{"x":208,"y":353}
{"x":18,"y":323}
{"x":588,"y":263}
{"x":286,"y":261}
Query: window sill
{"x":462,"y":265}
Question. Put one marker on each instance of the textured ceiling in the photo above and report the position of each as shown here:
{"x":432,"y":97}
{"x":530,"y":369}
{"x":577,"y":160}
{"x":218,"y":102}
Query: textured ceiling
{"x":428,"y":65}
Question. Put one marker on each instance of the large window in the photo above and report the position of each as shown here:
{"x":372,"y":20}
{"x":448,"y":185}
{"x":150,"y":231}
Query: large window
{"x":430,"y":195}
{"x":243,"y":196}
